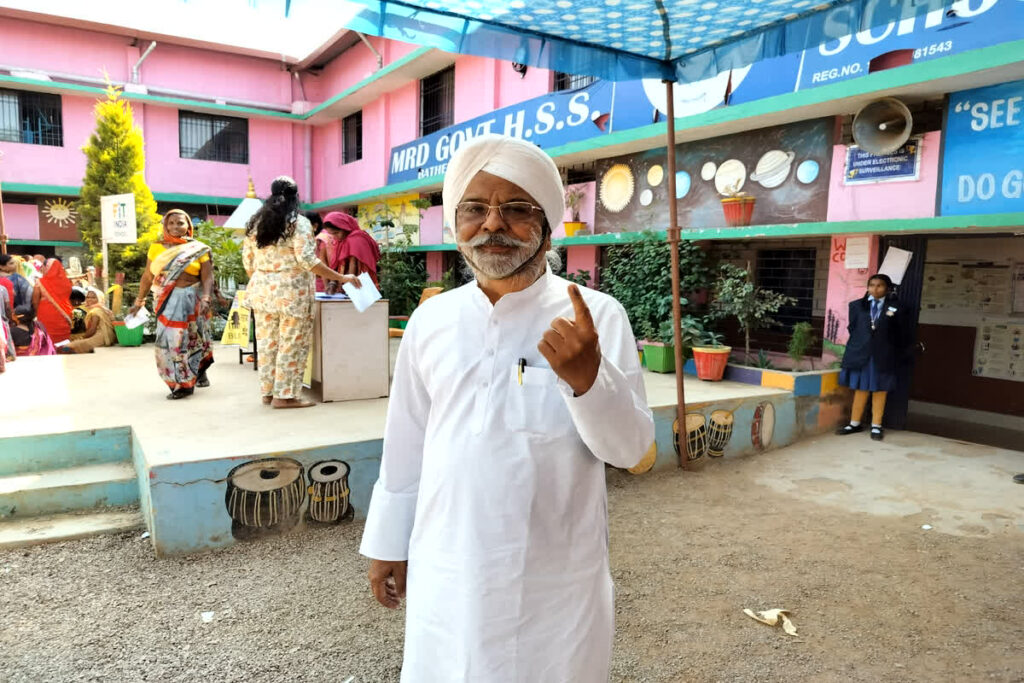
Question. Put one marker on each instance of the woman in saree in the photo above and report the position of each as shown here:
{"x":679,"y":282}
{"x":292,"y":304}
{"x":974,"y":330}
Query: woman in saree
{"x":7,"y":351}
{"x":358,"y":252}
{"x":99,"y":326}
{"x":180,"y":271}
{"x":52,"y":301}
{"x":30,"y":337}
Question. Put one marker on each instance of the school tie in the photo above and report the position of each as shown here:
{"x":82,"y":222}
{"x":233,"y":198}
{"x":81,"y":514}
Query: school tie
{"x":875,"y":305}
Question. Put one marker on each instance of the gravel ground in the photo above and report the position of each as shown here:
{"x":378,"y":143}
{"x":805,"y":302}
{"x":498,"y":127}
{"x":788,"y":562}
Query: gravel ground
{"x":874,"y":599}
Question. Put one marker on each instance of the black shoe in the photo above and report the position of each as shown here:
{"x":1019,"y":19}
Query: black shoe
{"x":1019,"y":478}
{"x":203,"y":381}
{"x":179,"y":393}
{"x":877,"y":434}
{"x":849,"y":429}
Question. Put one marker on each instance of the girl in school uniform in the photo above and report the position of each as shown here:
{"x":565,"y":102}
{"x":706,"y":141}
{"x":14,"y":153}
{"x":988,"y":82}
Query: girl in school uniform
{"x":874,"y":353}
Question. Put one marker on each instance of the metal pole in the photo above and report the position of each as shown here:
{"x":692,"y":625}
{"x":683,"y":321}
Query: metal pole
{"x":673,"y":245}
{"x":3,"y":229}
{"x":106,"y":268}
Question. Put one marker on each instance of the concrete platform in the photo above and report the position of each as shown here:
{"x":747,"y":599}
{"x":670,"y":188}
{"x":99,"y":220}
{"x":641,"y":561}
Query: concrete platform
{"x":185,"y":453}
{"x":66,"y":527}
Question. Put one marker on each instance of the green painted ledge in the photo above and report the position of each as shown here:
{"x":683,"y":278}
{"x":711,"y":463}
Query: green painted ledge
{"x":38,"y":243}
{"x":73,"y":191}
{"x":824,"y":228}
{"x":945,"y":67}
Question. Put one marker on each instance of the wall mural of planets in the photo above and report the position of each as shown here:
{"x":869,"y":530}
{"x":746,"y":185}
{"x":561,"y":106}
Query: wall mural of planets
{"x":785,"y":168}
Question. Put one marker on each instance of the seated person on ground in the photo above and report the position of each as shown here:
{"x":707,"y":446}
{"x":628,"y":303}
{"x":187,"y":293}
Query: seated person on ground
{"x":99,"y":326}
{"x":30,"y":337}
{"x":77,"y":312}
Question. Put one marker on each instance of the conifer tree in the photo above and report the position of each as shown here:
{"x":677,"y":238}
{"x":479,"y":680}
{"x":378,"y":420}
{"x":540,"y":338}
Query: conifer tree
{"x":115,"y":162}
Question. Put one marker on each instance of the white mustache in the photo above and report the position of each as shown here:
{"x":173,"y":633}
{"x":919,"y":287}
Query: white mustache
{"x":496,"y":239}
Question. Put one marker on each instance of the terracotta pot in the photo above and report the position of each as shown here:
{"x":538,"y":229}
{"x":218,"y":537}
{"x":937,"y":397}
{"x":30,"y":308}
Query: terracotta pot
{"x":711,"y":361}
{"x":573,"y":227}
{"x":738,"y":210}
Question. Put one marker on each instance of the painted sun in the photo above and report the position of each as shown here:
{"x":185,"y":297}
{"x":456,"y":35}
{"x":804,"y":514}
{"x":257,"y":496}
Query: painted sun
{"x":60,"y":212}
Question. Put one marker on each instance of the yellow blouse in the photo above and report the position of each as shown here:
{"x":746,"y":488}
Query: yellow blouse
{"x":158,"y":248}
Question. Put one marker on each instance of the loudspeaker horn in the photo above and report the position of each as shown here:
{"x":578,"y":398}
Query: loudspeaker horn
{"x":882,"y":126}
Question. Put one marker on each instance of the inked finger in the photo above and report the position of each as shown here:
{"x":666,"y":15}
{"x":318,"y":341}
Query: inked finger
{"x":580,"y":308}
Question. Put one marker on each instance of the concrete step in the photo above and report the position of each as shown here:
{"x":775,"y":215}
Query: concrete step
{"x":65,"y":527}
{"x":68,"y":489}
{"x":43,"y":452}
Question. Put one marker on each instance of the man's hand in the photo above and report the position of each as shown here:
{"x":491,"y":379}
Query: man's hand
{"x":387,"y":580}
{"x":571,"y":346}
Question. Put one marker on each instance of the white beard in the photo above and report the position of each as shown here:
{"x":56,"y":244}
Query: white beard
{"x":490,"y":266}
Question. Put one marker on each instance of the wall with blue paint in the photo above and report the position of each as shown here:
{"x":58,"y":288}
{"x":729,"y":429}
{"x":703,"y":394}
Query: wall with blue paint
{"x":185,"y":506}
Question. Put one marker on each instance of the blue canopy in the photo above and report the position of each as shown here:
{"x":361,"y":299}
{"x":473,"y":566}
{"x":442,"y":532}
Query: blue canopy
{"x":674,"y":40}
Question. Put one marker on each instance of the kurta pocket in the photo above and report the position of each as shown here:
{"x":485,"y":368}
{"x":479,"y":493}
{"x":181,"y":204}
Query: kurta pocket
{"x":536,"y":406}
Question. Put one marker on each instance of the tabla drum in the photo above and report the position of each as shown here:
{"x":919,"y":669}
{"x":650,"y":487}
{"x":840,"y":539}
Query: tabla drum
{"x":265,"y":495}
{"x":328,"y":491}
{"x":719,"y":432}
{"x":762,"y":429}
{"x":647,"y":462}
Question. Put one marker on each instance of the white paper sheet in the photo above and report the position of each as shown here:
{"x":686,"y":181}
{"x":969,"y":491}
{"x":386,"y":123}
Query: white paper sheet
{"x":140,"y":318}
{"x":363,"y":297}
{"x":858,"y":252}
{"x":895,"y":264}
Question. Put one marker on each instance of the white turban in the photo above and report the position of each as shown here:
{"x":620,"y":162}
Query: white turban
{"x":517,"y":161}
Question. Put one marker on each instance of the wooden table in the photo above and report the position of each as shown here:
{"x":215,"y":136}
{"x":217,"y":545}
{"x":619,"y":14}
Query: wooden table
{"x":351,"y":359}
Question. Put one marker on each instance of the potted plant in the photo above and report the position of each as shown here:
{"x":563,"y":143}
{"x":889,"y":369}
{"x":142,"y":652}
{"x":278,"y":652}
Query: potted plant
{"x":573,"y":198}
{"x":737,"y":297}
{"x":737,"y":206}
{"x":711,"y":357}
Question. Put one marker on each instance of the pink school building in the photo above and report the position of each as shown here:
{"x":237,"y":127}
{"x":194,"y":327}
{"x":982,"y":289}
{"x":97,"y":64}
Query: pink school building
{"x":367,"y":125}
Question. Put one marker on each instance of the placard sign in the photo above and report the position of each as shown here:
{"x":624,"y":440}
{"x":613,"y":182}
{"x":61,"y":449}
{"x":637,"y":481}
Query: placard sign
{"x":981,"y":165}
{"x":902,"y":165}
{"x":117,"y":212}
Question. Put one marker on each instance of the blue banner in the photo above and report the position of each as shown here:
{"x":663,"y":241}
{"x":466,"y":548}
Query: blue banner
{"x":549,"y":121}
{"x":983,"y":161}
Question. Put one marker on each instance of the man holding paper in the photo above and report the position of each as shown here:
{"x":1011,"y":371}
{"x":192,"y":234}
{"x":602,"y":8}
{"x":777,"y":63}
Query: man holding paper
{"x":279,"y":254}
{"x":510,"y":396}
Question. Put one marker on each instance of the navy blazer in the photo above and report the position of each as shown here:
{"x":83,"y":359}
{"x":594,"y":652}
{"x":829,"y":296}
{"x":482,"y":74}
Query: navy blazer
{"x":886,"y":344}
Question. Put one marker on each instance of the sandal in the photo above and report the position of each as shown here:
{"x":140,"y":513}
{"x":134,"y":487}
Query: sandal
{"x":203,"y":381}
{"x":179,"y":393}
{"x":267,"y":400}
{"x":286,"y":403}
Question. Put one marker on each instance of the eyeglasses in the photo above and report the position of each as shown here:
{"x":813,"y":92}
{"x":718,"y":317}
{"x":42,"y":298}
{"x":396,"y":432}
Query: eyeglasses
{"x":474,"y":213}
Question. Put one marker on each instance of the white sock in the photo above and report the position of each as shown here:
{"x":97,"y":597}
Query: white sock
{"x":855,"y":423}
{"x":876,"y":426}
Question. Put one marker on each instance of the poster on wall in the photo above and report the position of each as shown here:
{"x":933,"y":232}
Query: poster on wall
{"x":984,"y":145}
{"x":58,"y":220}
{"x":959,"y":293}
{"x":998,"y":350}
{"x":392,"y":221}
{"x":858,"y":253}
{"x":783,"y":170}
{"x":864,"y":168}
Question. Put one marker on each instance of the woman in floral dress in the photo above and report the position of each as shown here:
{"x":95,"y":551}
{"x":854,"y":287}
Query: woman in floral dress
{"x":279,"y":253}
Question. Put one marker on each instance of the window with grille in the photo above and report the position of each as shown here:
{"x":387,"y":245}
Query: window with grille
{"x":213,"y":138}
{"x":789,"y":272}
{"x":571,"y":81}
{"x":32,"y":118}
{"x":352,"y":138}
{"x":437,"y":101}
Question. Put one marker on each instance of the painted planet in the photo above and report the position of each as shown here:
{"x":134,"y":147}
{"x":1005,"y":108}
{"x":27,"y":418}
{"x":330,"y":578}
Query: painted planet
{"x":617,"y":187}
{"x":773,"y":168}
{"x":807,"y":171}
{"x":655,"y":174}
{"x":646,"y":197}
{"x":682,"y":184}
{"x":730,"y":176}
{"x":707,"y":171}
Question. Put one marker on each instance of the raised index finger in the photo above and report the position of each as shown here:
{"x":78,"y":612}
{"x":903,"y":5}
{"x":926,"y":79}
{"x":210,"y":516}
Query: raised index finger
{"x":580,"y":308}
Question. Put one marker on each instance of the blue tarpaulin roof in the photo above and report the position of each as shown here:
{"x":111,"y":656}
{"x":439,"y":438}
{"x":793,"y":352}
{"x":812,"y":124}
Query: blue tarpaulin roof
{"x":677,"y":40}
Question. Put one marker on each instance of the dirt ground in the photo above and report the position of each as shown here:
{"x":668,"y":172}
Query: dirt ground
{"x":874,"y":598}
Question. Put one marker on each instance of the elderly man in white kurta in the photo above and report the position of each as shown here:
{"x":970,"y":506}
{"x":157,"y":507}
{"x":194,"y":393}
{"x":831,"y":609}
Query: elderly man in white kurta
{"x":510,"y":395}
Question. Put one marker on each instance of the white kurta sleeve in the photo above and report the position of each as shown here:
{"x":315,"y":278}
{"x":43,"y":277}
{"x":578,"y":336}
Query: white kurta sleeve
{"x":613,"y":417}
{"x":392,"y":510}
